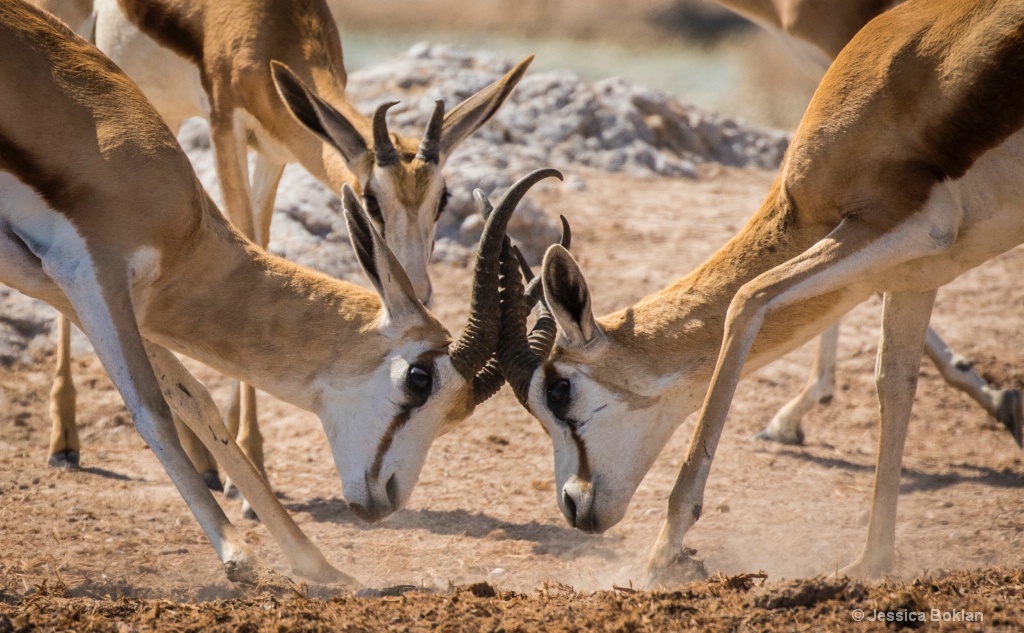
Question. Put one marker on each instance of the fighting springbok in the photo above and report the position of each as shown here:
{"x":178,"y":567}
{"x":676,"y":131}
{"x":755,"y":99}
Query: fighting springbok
{"x":904,"y":173}
{"x":816,"y":31}
{"x":212,"y":58}
{"x":103,"y":218}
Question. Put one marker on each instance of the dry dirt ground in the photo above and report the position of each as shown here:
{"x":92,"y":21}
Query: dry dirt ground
{"x":112,"y":547}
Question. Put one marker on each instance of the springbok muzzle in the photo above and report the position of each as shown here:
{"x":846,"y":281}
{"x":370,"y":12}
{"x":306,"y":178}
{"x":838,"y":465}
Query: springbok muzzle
{"x":577,"y":505}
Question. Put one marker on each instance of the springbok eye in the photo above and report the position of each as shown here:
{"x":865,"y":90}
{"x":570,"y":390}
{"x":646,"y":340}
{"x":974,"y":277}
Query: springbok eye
{"x":559,"y":395}
{"x":420,"y":382}
{"x":373,"y":208}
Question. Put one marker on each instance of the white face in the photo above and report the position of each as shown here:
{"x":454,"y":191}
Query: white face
{"x":408,"y":228}
{"x":605,"y":434}
{"x":381,"y":426}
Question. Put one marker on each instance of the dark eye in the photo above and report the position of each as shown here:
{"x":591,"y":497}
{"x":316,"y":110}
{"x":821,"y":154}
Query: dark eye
{"x":419,"y":381}
{"x":559,"y":395}
{"x":442,"y":203}
{"x":373,"y":208}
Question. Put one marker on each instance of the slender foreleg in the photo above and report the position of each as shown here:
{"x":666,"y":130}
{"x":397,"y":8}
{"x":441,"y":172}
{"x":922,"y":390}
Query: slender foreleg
{"x":243,"y":418}
{"x":193,"y":404}
{"x":905,"y":318}
{"x":101,"y":298}
{"x":851,"y":252}
{"x":1002,"y":404}
{"x":820,"y":387}
{"x":65,"y":447}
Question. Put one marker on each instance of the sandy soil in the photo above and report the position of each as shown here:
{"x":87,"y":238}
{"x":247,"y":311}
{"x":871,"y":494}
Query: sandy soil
{"x":484,"y":510}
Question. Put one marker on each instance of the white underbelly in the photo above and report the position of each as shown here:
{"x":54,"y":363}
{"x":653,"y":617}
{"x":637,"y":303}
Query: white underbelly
{"x":261,"y":140}
{"x":33,"y":233}
{"x":171,"y":82}
{"x":991,"y":198}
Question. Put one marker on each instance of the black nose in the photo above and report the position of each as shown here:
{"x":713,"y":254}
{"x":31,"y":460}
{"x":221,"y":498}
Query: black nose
{"x":570,"y":508}
{"x":392,"y":491}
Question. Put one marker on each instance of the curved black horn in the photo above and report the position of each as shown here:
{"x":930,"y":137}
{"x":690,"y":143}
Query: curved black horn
{"x":430,"y":146}
{"x":479,"y":339}
{"x":383,"y":148}
{"x":542,"y":337}
{"x":489,"y":380}
{"x":516,"y":358}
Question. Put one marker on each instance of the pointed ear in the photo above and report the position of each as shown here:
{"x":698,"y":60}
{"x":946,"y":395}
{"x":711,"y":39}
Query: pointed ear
{"x":380,"y":264}
{"x":568,"y":296}
{"x":316,"y":115}
{"x":469,"y":115}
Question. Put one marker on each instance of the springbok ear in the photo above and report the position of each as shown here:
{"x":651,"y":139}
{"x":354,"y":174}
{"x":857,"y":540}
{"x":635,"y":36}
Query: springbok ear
{"x":567,"y":295}
{"x":380,"y":264}
{"x":469,"y":115}
{"x":316,"y":115}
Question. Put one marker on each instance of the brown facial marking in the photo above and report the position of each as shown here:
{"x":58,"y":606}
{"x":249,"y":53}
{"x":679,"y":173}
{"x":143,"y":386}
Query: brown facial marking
{"x":153,"y":19}
{"x":583,"y":471}
{"x":385,"y":442}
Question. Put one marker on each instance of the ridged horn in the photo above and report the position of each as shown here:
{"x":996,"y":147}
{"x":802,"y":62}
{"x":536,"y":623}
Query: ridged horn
{"x":479,"y":339}
{"x":430,"y":146}
{"x":383,"y":148}
{"x":489,"y":380}
{"x":542,"y":337}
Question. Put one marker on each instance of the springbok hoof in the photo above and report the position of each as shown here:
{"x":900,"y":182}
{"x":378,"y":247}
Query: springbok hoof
{"x":790,"y":438}
{"x":684,"y":567}
{"x":260,"y":576}
{"x":1008,"y":411}
{"x":862,"y":568}
{"x":231,"y":490}
{"x":249,"y":513}
{"x":65,"y":460}
{"x":212,"y":481}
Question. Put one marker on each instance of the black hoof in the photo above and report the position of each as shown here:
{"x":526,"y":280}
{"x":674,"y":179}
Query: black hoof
{"x":231,"y":492}
{"x":65,"y":460}
{"x":795,"y":440}
{"x":250,"y":514}
{"x":212,"y":481}
{"x":1009,"y":412}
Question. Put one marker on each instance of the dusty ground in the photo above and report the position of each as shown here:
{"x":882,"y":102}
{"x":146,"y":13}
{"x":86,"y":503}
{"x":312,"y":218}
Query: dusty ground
{"x":485,"y":511}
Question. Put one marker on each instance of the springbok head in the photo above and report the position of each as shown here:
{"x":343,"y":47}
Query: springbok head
{"x":597,"y":392}
{"x":399,"y":178}
{"x":404,"y":382}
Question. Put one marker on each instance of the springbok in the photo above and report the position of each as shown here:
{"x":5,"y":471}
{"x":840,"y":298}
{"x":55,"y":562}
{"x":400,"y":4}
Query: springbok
{"x":103,"y":218}
{"x":816,"y":31}
{"x":212,"y":58}
{"x":904,"y":173}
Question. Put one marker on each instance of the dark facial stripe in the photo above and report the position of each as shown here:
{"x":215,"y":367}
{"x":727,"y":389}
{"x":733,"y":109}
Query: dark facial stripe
{"x":385,"y":442}
{"x":583,"y":471}
{"x":153,"y":19}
